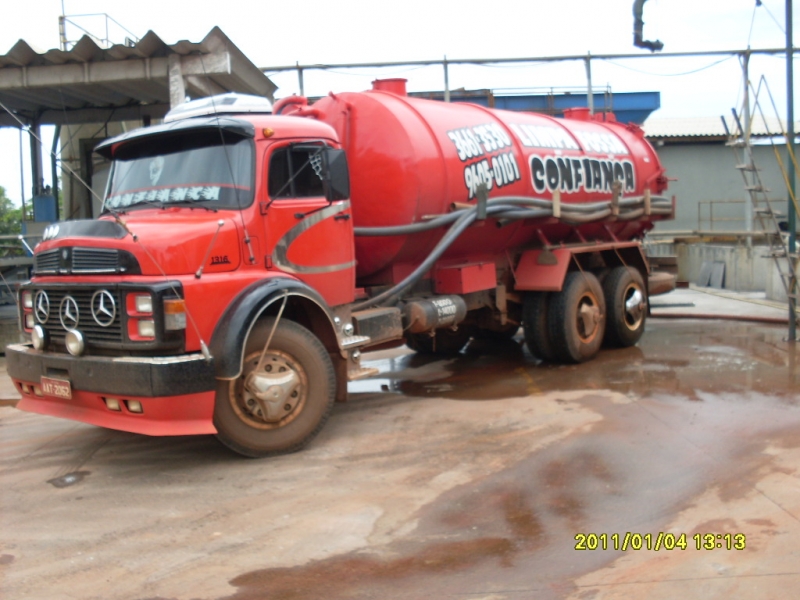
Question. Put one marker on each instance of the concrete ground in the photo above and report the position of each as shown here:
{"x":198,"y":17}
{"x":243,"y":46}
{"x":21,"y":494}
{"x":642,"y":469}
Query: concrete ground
{"x":471,"y":478}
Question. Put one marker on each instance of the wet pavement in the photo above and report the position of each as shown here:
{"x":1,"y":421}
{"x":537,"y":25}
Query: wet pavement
{"x":467,"y":477}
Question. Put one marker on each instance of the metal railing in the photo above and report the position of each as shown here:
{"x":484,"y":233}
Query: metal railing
{"x":108,"y":24}
{"x":711,"y":214}
{"x":445,"y":63}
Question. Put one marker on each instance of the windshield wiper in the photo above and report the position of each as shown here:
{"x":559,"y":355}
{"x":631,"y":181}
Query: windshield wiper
{"x":194,"y":203}
{"x":120,"y":208}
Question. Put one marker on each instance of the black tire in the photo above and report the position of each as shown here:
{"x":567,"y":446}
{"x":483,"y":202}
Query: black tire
{"x":576,"y":318}
{"x":301,"y":405}
{"x":444,"y":342}
{"x":626,"y":307}
{"x":534,"y":321}
{"x":601,"y":274}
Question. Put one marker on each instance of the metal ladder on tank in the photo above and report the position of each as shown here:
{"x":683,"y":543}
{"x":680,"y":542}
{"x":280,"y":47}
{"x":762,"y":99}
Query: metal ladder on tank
{"x":768,"y":223}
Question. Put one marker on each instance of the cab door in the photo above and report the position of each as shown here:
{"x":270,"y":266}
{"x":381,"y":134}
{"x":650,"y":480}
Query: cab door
{"x":308,"y":236}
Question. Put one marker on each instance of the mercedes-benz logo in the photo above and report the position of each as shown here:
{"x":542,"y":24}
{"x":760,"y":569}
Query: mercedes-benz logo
{"x":41,"y":306}
{"x":68,"y":313}
{"x":104,"y":308}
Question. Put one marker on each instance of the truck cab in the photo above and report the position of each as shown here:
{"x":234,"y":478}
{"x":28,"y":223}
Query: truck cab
{"x":210,"y":225}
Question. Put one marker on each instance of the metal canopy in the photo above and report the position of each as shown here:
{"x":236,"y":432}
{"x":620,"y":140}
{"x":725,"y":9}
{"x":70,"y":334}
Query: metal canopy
{"x":90,"y":84}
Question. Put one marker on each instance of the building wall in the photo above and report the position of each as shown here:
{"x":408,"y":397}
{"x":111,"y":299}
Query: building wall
{"x":706,"y":172}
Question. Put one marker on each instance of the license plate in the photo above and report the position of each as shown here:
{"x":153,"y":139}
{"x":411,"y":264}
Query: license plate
{"x":58,"y":388}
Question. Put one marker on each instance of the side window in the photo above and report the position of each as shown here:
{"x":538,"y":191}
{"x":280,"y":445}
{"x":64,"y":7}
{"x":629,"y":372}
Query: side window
{"x":295,"y":172}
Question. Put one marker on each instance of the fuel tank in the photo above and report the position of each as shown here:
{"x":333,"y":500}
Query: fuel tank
{"x":412,"y":158}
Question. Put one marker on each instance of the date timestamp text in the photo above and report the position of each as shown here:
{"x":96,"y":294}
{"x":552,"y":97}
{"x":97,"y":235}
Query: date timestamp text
{"x":660,"y":541}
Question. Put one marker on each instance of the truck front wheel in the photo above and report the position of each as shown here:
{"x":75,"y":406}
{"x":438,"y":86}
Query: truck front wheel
{"x":576,"y":318}
{"x":626,"y":306}
{"x":281,"y":400}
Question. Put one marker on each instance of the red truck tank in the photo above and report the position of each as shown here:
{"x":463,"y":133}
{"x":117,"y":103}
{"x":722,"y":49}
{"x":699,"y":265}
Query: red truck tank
{"x":410,"y":158}
{"x":244,"y":260}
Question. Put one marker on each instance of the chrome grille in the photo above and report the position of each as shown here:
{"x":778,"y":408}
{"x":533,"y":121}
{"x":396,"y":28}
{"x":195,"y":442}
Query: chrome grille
{"x":87,"y":261}
{"x":46,"y":262}
{"x":91,"y":330}
{"x":95,"y":260}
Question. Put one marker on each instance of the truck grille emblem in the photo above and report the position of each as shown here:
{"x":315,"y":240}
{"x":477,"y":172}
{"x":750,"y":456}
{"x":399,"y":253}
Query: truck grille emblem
{"x":104,"y":308}
{"x":42,"y":307}
{"x":68,"y":313}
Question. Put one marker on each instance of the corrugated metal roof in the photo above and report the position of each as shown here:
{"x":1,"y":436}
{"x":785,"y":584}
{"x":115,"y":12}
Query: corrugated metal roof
{"x":708,"y":127}
{"x":91,"y":83}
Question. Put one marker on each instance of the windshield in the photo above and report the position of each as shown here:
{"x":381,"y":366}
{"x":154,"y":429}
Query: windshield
{"x":207,"y":170}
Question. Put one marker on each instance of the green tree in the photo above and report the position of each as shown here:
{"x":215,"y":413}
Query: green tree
{"x":10,"y":224}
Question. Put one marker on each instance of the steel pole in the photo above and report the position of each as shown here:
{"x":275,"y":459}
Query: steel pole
{"x":748,"y":201}
{"x":22,"y":176}
{"x":300,"y":79}
{"x":54,"y":167}
{"x":792,"y":217}
{"x":589,"y":91}
{"x":446,"y":81}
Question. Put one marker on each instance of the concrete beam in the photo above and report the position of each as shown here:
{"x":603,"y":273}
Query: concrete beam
{"x":94,"y":115}
{"x":12,"y":78}
{"x":203,"y":86}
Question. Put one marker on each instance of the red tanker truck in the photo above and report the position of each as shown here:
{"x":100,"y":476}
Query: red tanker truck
{"x":244,"y":259}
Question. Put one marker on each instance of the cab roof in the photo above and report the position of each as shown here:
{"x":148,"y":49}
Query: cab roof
{"x":253,"y":125}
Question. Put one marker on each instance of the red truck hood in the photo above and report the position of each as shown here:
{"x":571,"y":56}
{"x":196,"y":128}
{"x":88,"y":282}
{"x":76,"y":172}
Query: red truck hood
{"x":175,"y":241}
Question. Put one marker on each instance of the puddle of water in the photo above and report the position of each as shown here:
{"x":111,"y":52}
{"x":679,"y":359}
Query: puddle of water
{"x":367,"y":386}
{"x":677,"y":358}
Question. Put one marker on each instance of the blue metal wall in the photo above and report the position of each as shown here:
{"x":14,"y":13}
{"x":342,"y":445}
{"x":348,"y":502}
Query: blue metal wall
{"x":627,"y":106}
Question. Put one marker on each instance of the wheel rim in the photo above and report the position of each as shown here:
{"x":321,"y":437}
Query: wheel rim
{"x":273,"y":396}
{"x":634,"y":306}
{"x":589,"y":317}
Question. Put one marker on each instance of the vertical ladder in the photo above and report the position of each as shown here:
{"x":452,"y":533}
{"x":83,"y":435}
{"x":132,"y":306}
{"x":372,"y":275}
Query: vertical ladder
{"x":767,"y":220}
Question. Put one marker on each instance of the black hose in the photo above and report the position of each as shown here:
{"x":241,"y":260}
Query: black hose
{"x":388,"y":230}
{"x":466,"y":219}
{"x":455,"y":230}
{"x":590,"y":211}
{"x":506,"y":208}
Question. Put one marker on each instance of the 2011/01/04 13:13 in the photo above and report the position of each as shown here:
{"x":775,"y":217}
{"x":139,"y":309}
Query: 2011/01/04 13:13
{"x":660,"y":541}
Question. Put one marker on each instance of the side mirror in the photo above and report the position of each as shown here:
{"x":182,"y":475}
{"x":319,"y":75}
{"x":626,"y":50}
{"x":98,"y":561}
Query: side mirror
{"x":335,"y":175}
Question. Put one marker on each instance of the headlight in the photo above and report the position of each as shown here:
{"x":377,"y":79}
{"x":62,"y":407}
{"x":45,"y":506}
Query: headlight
{"x":144,"y":303}
{"x":39,"y":337}
{"x":74,"y":342}
{"x":146,"y":328}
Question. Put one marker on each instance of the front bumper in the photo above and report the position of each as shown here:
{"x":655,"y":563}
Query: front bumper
{"x":118,"y":375}
{"x":175,"y":394}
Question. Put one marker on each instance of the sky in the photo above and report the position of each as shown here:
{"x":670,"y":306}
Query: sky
{"x":273,"y":33}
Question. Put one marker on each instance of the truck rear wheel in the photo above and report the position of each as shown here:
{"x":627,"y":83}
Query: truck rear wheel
{"x":444,"y":341}
{"x":576,"y":318}
{"x":279,"y":406}
{"x":534,"y":321}
{"x":626,"y":306}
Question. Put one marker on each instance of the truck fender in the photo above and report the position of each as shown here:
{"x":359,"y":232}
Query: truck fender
{"x":262,"y":298}
{"x":544,"y":270}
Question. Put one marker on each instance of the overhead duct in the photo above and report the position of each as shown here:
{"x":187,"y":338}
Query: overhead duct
{"x":638,"y":25}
